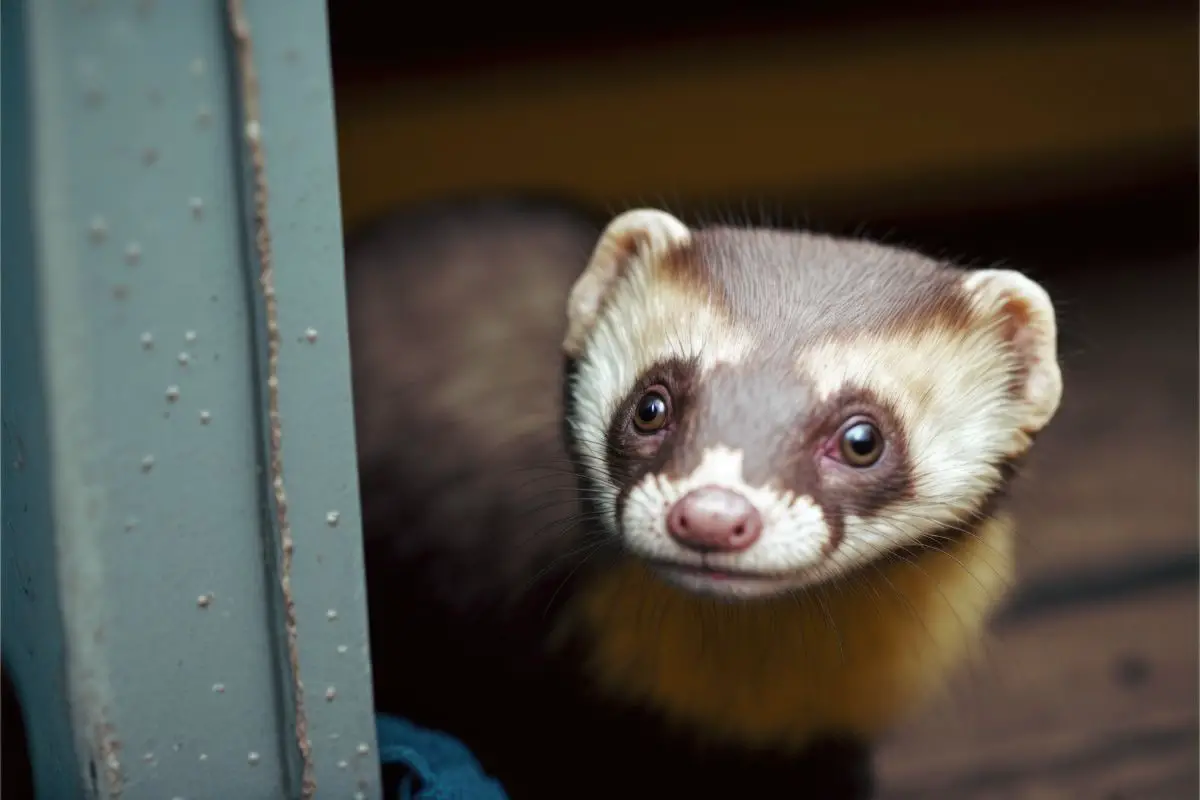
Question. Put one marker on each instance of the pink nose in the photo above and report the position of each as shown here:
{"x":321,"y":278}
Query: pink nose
{"x":712,"y":519}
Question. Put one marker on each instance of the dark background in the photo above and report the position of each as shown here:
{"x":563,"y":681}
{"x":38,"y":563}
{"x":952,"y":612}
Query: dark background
{"x":1057,"y":137}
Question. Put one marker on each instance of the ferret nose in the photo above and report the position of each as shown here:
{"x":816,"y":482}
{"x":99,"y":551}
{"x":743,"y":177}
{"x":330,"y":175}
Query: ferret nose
{"x":713,"y":519}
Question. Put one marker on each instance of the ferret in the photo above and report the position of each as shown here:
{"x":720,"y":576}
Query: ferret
{"x":658,"y":510}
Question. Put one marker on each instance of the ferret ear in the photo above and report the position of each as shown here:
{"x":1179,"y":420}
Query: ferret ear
{"x":631,"y":236}
{"x":1025,"y":316}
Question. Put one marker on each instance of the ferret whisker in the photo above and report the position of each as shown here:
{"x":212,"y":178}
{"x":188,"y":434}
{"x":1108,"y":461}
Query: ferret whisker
{"x":550,"y":472}
{"x":575,"y":463}
{"x":552,"y":485}
{"x":860,"y":579}
{"x":873,"y":558}
{"x":556,"y":481}
{"x":914,"y":564}
{"x":936,"y":541}
{"x":990,"y":596}
{"x":569,"y":500}
{"x":568,"y":524}
{"x":927,"y":539}
{"x":819,"y":596}
{"x":591,"y":542}
{"x":595,"y":549}
{"x":798,"y":597}
{"x":963,"y":526}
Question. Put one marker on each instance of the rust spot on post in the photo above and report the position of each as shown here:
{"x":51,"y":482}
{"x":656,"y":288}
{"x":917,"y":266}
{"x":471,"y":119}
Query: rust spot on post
{"x":252,"y":129}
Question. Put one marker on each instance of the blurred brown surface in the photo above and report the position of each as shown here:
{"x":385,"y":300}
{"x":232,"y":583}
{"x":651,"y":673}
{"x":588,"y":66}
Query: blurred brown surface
{"x":371,"y":40}
{"x":1114,"y":481}
{"x":925,"y":112}
{"x":1090,"y":703}
{"x":372,"y":43}
{"x":1090,"y":686}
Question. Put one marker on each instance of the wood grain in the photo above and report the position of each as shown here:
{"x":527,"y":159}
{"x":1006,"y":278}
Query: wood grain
{"x":1090,"y":686}
{"x":1113,"y":481}
{"x":1096,"y":702}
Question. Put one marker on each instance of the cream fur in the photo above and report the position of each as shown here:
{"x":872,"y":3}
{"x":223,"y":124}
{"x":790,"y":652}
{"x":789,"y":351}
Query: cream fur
{"x":646,"y":320}
{"x":855,"y":656}
{"x":848,"y":641}
{"x":794,"y":530}
{"x":949,"y":390}
{"x":1001,"y":292}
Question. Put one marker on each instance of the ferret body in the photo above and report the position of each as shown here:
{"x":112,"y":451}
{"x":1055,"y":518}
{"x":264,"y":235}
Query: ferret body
{"x":653,"y":511}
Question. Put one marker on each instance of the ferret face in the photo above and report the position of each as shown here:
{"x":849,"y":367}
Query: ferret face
{"x":759,"y":411}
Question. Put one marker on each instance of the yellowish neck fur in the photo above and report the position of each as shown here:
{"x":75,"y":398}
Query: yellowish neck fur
{"x":852,"y":657}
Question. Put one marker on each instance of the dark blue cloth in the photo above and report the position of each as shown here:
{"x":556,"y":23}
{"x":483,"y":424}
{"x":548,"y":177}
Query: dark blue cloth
{"x":434,"y":765}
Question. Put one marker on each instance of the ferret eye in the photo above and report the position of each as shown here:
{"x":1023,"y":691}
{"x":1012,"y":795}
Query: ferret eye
{"x":861,"y":444}
{"x":652,"y":412}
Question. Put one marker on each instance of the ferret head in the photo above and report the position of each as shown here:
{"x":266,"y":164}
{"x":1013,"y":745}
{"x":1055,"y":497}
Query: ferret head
{"x":758,"y":410}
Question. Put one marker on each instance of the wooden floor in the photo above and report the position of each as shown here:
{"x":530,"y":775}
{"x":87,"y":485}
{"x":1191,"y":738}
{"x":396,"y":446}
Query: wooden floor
{"x":1090,"y":686}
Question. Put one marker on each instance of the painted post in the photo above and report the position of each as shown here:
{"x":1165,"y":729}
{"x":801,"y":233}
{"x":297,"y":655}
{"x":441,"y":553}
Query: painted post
{"x":183,"y":601}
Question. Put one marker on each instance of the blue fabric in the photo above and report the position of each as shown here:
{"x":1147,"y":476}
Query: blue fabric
{"x":436,"y":765}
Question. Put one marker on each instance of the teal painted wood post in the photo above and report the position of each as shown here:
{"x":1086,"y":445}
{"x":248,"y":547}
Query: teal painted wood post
{"x":145,"y":620}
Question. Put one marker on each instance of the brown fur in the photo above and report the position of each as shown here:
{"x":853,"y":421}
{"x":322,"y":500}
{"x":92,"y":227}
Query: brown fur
{"x":489,"y":539}
{"x":767,"y":344}
{"x":456,"y":314}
